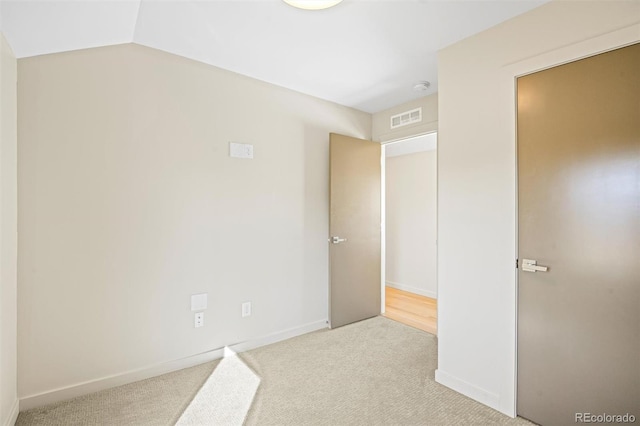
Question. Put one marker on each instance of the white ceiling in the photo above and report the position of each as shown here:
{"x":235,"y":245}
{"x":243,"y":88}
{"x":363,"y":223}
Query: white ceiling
{"x":366,"y":54}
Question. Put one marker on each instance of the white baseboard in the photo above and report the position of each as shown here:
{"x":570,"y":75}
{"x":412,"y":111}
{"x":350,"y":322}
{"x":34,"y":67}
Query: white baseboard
{"x":472,"y":391}
{"x":61,"y":394}
{"x":279,"y":336}
{"x":13,"y":414}
{"x":67,"y":392}
{"x":411,"y":289}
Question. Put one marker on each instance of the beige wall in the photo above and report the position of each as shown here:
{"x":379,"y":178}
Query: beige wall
{"x":381,"y":127}
{"x":411,"y":222}
{"x":129,"y":203}
{"x":8,"y":235}
{"x":477,"y":187}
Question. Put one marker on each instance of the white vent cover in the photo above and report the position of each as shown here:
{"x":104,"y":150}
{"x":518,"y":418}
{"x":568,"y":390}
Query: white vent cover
{"x":408,"y":117}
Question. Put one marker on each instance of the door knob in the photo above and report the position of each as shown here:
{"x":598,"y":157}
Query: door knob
{"x":337,"y":240}
{"x":530,"y":265}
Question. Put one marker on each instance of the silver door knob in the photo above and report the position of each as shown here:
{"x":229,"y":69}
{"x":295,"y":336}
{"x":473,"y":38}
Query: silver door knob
{"x":337,"y":240}
{"x":530,"y":265}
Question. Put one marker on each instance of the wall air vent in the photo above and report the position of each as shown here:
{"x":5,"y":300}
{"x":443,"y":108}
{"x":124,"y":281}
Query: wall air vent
{"x":408,"y":117}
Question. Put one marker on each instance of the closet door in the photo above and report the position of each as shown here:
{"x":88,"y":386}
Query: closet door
{"x":579,"y":239}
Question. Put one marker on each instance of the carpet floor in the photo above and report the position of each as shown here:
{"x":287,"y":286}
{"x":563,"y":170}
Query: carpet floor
{"x":374,"y":372}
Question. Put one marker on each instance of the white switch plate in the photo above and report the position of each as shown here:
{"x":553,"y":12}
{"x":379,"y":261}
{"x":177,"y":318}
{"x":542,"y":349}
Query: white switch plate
{"x":199,"y":319}
{"x":199,"y":302}
{"x":240,"y":150}
{"x":246,"y":309}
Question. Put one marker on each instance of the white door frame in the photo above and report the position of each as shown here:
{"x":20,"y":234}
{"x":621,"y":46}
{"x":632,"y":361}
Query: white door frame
{"x":600,"y":44}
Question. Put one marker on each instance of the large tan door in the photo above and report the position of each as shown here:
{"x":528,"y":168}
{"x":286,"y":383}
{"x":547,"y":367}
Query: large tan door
{"x":354,"y":227}
{"x":579,"y":215}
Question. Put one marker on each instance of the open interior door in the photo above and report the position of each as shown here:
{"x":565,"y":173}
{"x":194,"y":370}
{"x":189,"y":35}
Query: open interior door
{"x":354,"y":227}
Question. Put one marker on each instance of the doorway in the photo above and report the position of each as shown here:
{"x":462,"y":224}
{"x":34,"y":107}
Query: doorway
{"x":409,"y":197}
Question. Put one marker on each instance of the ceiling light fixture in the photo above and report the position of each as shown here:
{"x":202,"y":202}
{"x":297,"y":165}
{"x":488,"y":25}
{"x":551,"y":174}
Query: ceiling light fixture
{"x":421,"y":86}
{"x":312,"y":4}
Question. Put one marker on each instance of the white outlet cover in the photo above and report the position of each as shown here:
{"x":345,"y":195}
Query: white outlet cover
{"x":199,"y":302}
{"x":240,"y":150}
{"x":198,"y":320}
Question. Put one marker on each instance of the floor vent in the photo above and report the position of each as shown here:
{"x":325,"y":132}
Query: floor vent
{"x":408,"y":117}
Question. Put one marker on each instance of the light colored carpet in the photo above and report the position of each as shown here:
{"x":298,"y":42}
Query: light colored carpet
{"x":375,"y":372}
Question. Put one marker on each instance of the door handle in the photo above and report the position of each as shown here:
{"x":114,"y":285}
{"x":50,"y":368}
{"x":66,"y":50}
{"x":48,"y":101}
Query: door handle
{"x":337,"y":240}
{"x":532,"y":266}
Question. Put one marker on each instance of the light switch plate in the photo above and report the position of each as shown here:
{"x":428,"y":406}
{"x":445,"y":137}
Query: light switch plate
{"x":199,"y":302}
{"x":246,"y":309}
{"x":240,"y":150}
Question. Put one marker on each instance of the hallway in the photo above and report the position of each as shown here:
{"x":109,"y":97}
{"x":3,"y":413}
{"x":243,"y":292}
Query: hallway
{"x":412,"y":309}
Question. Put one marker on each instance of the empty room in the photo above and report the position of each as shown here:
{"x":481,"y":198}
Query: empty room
{"x":195,"y":212}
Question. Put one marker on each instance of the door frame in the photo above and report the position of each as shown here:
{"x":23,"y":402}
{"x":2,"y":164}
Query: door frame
{"x":383,"y":210}
{"x":601,"y":44}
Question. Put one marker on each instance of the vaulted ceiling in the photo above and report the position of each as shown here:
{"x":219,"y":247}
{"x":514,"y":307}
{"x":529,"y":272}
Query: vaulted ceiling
{"x":366,"y":54}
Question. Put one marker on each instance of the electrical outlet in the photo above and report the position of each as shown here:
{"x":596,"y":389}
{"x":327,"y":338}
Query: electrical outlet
{"x":199,"y":319}
{"x":246,"y":309}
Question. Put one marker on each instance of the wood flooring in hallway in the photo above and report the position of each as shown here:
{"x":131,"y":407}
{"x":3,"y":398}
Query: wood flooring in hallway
{"x":412,"y":309}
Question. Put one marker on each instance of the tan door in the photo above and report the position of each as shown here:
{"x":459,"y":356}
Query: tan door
{"x":354,"y":227}
{"x":579,"y":215}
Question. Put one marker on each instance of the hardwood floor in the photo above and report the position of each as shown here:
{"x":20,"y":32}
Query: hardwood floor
{"x":412,"y":309}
